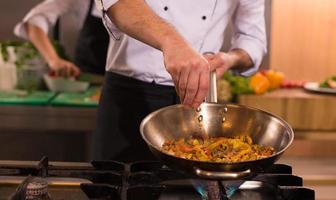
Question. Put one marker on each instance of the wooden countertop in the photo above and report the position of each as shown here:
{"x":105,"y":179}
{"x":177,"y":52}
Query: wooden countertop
{"x":301,"y":109}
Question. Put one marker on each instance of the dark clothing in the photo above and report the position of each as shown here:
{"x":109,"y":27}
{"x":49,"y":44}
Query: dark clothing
{"x":123,"y":105}
{"x":92,"y":45}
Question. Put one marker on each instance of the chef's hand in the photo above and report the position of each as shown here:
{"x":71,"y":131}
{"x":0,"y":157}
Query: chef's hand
{"x":237,"y":59}
{"x":189,"y":71}
{"x":64,"y":68}
{"x":220,"y":62}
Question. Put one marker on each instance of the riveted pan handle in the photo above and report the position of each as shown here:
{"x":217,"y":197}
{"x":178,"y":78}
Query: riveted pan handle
{"x":212,"y":92}
{"x":222,"y":175}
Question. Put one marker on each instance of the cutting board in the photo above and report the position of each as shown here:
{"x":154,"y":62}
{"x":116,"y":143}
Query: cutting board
{"x":85,"y":99}
{"x":24,"y":98}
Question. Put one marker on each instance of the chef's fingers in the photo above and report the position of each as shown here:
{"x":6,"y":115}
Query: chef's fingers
{"x":76,"y":71}
{"x":72,"y":70}
{"x":182,"y":83}
{"x":208,"y":56}
{"x":192,"y":87}
{"x":67,"y":70}
{"x":60,"y":71}
{"x":176,"y":84}
{"x":216,"y":62}
{"x":203,"y":87}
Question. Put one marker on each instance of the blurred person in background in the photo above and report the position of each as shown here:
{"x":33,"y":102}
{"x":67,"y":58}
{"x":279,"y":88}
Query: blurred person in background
{"x":92,"y":44}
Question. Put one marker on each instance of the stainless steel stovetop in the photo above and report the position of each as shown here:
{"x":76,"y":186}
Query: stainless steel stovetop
{"x":148,"y":180}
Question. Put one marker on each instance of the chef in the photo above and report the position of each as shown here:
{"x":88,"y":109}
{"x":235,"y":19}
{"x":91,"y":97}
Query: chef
{"x":157,"y":59}
{"x":92,"y":44}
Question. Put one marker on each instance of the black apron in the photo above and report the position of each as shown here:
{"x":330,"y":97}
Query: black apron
{"x":123,"y":105}
{"x":92,"y":44}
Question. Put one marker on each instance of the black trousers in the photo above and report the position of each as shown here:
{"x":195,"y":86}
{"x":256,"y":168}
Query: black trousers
{"x":124,"y":103}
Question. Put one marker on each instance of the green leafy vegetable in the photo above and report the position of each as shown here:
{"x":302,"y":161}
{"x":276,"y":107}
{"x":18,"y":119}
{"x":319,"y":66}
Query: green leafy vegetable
{"x":239,"y":84}
{"x":25,"y":51}
{"x":326,"y":84}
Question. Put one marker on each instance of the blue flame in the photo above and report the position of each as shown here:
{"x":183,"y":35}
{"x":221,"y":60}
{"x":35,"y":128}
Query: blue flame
{"x":200,"y":189}
{"x":230,"y":191}
{"x":230,"y":188}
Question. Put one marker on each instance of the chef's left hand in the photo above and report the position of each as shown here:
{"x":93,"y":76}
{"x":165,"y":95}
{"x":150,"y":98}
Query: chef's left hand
{"x":220,"y":62}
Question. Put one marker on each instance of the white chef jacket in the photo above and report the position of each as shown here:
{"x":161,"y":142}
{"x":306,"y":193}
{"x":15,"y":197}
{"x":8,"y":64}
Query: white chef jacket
{"x":201,"y":22}
{"x":45,"y":14}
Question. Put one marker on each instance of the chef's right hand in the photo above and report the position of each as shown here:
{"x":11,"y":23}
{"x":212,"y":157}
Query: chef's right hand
{"x":189,"y":71}
{"x":64,"y":68}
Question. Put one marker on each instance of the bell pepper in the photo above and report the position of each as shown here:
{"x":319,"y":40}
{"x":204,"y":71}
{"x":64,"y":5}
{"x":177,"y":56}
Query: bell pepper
{"x":275,"y":78}
{"x":259,"y":83}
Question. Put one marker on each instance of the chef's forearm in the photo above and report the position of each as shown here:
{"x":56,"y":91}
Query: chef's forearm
{"x":41,"y":41}
{"x":135,"y":18}
{"x":240,"y":60}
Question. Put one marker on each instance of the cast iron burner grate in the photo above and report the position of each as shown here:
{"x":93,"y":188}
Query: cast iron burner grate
{"x":151,"y":180}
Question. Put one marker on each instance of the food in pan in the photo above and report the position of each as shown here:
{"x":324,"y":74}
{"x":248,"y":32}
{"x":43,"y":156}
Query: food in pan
{"x":218,"y":149}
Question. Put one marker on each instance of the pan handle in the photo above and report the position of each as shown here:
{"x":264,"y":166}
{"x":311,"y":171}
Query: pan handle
{"x":212,"y":92}
{"x":222,"y":175}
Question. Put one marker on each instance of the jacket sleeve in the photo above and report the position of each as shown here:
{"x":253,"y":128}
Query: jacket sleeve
{"x":249,"y":31}
{"x":44,"y":15}
{"x":103,"y":6}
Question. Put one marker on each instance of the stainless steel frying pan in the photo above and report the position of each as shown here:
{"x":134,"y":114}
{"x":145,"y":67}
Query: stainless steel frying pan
{"x":214,"y":120}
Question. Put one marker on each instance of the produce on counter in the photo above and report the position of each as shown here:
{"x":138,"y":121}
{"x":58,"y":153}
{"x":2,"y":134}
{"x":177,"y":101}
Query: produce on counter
{"x":275,"y":78}
{"x":96,"y":95}
{"x":28,"y":64}
{"x":292,"y":84}
{"x":239,"y":84}
{"x":223,"y":91}
{"x":259,"y":83}
{"x":329,"y":82}
{"x":25,"y":52}
{"x":218,"y":149}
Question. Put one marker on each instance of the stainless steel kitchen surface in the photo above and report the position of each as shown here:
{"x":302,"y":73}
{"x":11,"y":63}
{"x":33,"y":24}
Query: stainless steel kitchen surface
{"x":29,"y":132}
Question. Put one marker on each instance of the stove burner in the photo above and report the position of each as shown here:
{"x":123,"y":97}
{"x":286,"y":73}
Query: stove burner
{"x":151,"y":180}
{"x":36,"y":188}
{"x":215,"y":191}
{"x":31,"y":188}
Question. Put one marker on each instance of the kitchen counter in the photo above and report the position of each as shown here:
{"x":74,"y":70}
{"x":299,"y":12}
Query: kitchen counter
{"x":312,"y":116}
{"x":303,"y":110}
{"x":47,"y":118}
{"x":61,"y":133}
{"x":69,"y":129}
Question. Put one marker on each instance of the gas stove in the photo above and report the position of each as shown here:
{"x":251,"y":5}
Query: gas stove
{"x":148,"y":180}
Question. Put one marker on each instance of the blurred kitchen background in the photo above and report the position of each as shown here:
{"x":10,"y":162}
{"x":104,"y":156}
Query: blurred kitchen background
{"x":302,"y":49}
